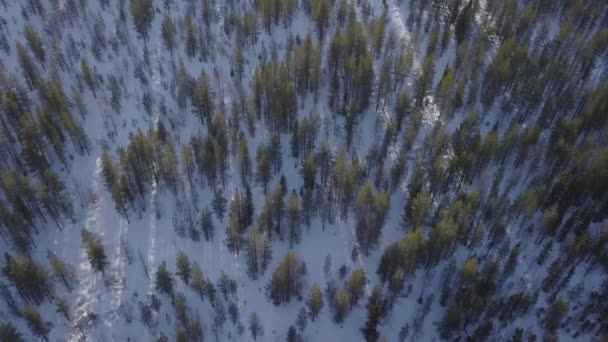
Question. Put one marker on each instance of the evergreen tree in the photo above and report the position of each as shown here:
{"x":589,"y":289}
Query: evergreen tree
{"x":255,"y":327}
{"x":244,"y":160}
{"x":9,"y":333}
{"x":375,"y":314}
{"x":321,"y":12}
{"x":395,"y":286}
{"x":168,"y":30}
{"x":115,"y":93}
{"x":164,"y":280}
{"x":293,"y":219}
{"x":371,"y":211}
{"x":207,"y":226}
{"x":183,"y":266}
{"x":341,"y":305}
{"x":34,"y":321}
{"x":554,"y":315}
{"x":30,"y":72}
{"x":425,"y":80}
{"x":143,"y":13}
{"x":292,"y":335}
{"x":202,"y":98}
{"x":356,"y":285}
{"x":35,"y":43}
{"x":233,"y":312}
{"x":219,"y":205}
{"x":259,"y":253}
{"x":249,"y":207}
{"x":286,"y":281}
{"x":315,"y":301}
{"x":517,"y":335}
{"x":62,"y":307}
{"x":468,"y":273}
{"x":62,"y":270}
{"x":198,"y":282}
{"x":263,"y":161}
{"x":302,"y":319}
{"x":95,"y":250}
{"x":28,"y":277}
{"x":463,"y":23}
{"x":442,"y":237}
{"x":419,"y":208}
{"x":234,"y":234}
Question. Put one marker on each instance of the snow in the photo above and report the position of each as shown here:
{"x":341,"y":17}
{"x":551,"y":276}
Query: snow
{"x":150,"y":236}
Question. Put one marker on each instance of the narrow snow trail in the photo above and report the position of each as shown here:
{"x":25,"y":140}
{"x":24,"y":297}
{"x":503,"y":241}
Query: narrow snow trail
{"x":85,"y":299}
{"x":431,"y":111}
{"x":394,"y":13}
{"x":156,"y":89}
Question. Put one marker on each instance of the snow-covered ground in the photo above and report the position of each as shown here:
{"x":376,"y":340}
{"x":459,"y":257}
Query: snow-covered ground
{"x":136,"y":248}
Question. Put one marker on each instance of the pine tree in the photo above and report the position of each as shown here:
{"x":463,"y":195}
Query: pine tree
{"x":62,"y":307}
{"x":263,"y":169}
{"x":191,"y":36}
{"x":550,"y":221}
{"x":34,"y":321}
{"x":376,"y":309}
{"x":54,"y":197}
{"x":286,"y":281}
{"x":219,"y":205}
{"x":29,"y":277}
{"x":88,"y":76}
{"x":315,"y":301}
{"x":249,"y":207}
{"x":420,"y":206}
{"x":233,"y":312}
{"x":302,"y":319}
{"x":442,"y":236}
{"x":378,"y":32}
{"x":164,"y":280}
{"x":468,"y":273}
{"x":446,"y":87}
{"x":463,"y":23}
{"x":143,"y":13}
{"x":202,"y":98}
{"x":511,"y":262}
{"x":395,"y":286}
{"x":168,"y":30}
{"x":341,"y":305}
{"x":9,"y":333}
{"x":237,"y":224}
{"x":115,"y":93}
{"x":244,"y":160}
{"x":356,"y":285}
{"x":371,"y":211}
{"x":183,"y":266}
{"x":292,"y":335}
{"x":35,"y":43}
{"x":517,"y":335}
{"x":255,"y":327}
{"x":198,"y":282}
{"x":425,"y":80}
{"x":63,"y":271}
{"x":259,"y":253}
{"x":321,"y":12}
{"x":95,"y":250}
{"x":207,"y":226}
{"x":30,"y":72}
{"x":293,"y":219}
{"x":554,"y":315}
{"x":108,"y":171}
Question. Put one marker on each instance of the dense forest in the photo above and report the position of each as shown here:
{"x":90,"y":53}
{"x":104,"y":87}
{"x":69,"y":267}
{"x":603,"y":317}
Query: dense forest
{"x":303,"y":170}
